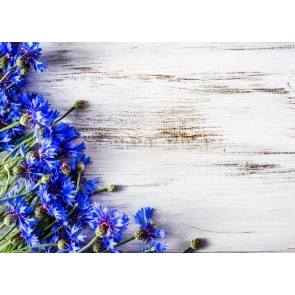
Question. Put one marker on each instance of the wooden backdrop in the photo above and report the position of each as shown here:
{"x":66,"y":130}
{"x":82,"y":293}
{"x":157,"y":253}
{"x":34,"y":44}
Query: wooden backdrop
{"x":204,"y":133}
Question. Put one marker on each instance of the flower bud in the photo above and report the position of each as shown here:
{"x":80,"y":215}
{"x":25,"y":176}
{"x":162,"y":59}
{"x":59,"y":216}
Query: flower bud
{"x":18,"y":170}
{"x":141,"y":235}
{"x":97,"y":248}
{"x":112,"y":188}
{"x":66,"y":169}
{"x":41,"y":130}
{"x":25,"y":69}
{"x":195,"y":243}
{"x":101,"y":230}
{"x":79,"y":104}
{"x":21,"y":61}
{"x":8,"y":220}
{"x":80,"y":166}
{"x":25,"y":119}
{"x":46,"y":178}
{"x":62,"y":245}
{"x":3,"y":62}
{"x":40,"y":212}
{"x":17,"y":239}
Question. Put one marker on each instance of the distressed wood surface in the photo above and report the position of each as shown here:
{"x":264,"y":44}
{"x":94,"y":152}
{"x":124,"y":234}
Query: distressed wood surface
{"x":204,"y":133}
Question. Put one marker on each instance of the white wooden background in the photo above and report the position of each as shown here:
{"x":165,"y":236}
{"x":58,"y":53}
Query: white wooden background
{"x":204,"y":133}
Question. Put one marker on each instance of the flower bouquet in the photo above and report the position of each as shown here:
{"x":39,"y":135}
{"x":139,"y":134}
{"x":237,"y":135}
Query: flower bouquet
{"x":45,"y":197}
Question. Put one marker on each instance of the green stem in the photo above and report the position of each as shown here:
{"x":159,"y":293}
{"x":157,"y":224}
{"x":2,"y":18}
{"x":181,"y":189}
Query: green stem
{"x":24,"y":194}
{"x":8,"y":72}
{"x":2,"y":225}
{"x":14,"y":159}
{"x":78,"y":183}
{"x":187,"y":250}
{"x":89,"y":244}
{"x":10,"y":237}
{"x":7,"y":233}
{"x":121,"y":243}
{"x":17,"y":147}
{"x":10,"y":126}
{"x":44,"y":245}
{"x":11,"y":84}
{"x":66,"y":114}
{"x":51,"y":233}
{"x":101,"y":190}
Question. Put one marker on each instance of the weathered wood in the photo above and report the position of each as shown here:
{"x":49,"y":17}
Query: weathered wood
{"x":204,"y":133}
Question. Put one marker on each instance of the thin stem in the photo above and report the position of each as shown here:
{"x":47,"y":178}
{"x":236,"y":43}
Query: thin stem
{"x":44,"y":245}
{"x":2,"y":225}
{"x":7,"y":183}
{"x":89,"y":244}
{"x":66,"y":114}
{"x":78,"y":183}
{"x":121,"y":243}
{"x":14,"y":159}
{"x":10,"y":237}
{"x":24,"y":194}
{"x":10,"y":126}
{"x":101,"y":190}
{"x":7,"y":233}
{"x":11,"y":84}
{"x":8,"y":72}
{"x":187,"y":250}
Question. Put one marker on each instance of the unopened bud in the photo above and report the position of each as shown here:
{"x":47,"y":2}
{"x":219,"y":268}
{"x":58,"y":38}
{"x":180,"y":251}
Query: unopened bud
{"x":101,"y":230}
{"x":97,"y":248}
{"x":8,"y":220}
{"x":62,"y":245}
{"x":25,"y":119}
{"x":24,"y":69}
{"x":79,"y":104}
{"x":40,"y":212}
{"x":46,"y":178}
{"x":17,"y":239}
{"x":112,"y":188}
{"x":3,"y":62}
{"x":21,"y":61}
{"x":80,"y":166}
{"x":141,"y":235}
{"x":195,"y":243}
{"x":65,"y":168}
{"x":18,"y":170}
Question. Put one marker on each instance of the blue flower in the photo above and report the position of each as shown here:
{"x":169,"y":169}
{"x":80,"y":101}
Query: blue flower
{"x":30,"y":238}
{"x":30,"y":53}
{"x":20,"y":210}
{"x":111,"y":218}
{"x":148,"y":232}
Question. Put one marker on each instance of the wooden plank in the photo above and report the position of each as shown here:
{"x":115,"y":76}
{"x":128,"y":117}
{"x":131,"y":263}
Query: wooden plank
{"x":204,"y":133}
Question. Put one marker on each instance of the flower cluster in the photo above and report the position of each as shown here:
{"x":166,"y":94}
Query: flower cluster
{"x":46,"y":196}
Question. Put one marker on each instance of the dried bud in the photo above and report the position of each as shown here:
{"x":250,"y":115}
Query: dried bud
{"x":6,"y":167}
{"x":17,"y":239}
{"x":62,"y":245}
{"x":25,"y":69}
{"x":40,"y":212}
{"x":112,"y":188}
{"x":46,"y":178}
{"x":79,"y":104}
{"x":195,"y":243}
{"x":25,"y":119}
{"x":80,"y":166}
{"x":21,"y":61}
{"x":18,"y":170}
{"x":97,"y":248}
{"x":66,"y":169}
{"x":8,"y":220}
{"x":101,"y":230}
{"x":141,"y":235}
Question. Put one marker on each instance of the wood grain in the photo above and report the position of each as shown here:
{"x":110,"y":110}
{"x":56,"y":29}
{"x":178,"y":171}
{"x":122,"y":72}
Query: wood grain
{"x":204,"y":133}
